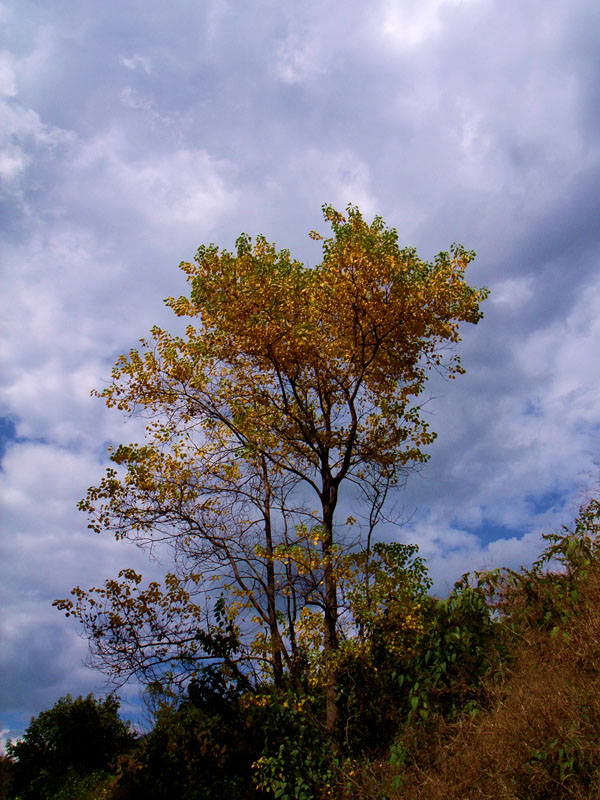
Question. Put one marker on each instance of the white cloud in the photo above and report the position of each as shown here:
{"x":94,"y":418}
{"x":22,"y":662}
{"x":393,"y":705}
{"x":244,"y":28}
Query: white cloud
{"x":8,"y":86}
{"x":136,"y":62}
{"x":516,"y":454}
{"x":514,"y":292}
{"x":50,"y":551}
{"x":7,"y":734}
{"x":563,"y":358}
{"x":451,"y":551}
{"x":22,"y":128}
{"x":341,"y":177}
{"x":406,"y":24}
{"x":144,"y":104}
{"x":12,"y":164}
{"x":297,"y":59}
{"x":181,"y":189}
{"x":57,"y":329}
{"x":176,"y":189}
{"x":130,"y":98}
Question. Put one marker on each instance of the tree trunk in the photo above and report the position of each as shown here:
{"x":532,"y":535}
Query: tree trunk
{"x":271,"y":588}
{"x":330,"y":640}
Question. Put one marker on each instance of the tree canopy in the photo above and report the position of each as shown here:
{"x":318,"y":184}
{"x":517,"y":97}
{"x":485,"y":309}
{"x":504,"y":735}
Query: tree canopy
{"x":289,"y":383}
{"x":73,"y":738}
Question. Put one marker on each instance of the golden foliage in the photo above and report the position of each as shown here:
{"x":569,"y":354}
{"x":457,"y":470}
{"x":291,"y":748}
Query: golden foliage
{"x":289,"y":380}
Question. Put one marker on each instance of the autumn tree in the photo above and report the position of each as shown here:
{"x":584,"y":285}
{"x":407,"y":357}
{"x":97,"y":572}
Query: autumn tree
{"x":289,"y":383}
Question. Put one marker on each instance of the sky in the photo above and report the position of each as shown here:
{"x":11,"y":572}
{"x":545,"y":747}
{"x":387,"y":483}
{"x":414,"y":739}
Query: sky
{"x":133,"y":132}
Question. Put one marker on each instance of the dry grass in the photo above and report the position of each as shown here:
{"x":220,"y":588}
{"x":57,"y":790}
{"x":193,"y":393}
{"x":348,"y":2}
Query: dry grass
{"x":538,"y":740}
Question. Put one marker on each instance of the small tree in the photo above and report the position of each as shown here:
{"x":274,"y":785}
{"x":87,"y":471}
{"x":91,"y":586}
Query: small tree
{"x":73,"y":738}
{"x":290,"y":383}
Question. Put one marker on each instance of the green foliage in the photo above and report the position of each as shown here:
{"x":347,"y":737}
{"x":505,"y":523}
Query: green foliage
{"x":296,"y":760}
{"x":93,"y":786}
{"x":201,"y":750}
{"x":65,"y":745}
{"x":388,"y":576}
{"x":6,"y":768}
{"x":544,"y":597}
{"x":458,"y":648}
{"x":386,"y":590}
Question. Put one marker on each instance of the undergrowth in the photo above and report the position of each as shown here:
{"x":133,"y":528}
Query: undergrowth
{"x":536,"y":734}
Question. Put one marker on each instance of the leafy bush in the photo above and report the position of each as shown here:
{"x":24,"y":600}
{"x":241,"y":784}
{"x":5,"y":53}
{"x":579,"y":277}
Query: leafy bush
{"x":201,"y":750}
{"x":296,"y":760}
{"x":460,"y":644}
{"x":73,"y":739}
{"x":6,"y":768}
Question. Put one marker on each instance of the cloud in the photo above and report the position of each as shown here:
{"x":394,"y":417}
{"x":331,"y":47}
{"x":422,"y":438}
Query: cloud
{"x":136,"y":62}
{"x":4,"y":737}
{"x":296,"y":60}
{"x":50,"y":551}
{"x":341,"y":177}
{"x":8,"y":87}
{"x":513,"y":293}
{"x":22,"y":129}
{"x":411,"y":25}
{"x":174,"y":189}
{"x":512,"y":459}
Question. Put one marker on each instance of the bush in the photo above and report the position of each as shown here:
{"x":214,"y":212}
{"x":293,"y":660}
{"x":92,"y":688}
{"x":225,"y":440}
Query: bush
{"x":6,"y":768}
{"x":198,"y":751}
{"x":73,"y":739}
{"x":295,"y":761}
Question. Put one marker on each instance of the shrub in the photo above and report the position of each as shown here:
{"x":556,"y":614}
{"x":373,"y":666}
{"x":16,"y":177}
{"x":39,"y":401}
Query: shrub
{"x":72,"y":739}
{"x":193,"y":753}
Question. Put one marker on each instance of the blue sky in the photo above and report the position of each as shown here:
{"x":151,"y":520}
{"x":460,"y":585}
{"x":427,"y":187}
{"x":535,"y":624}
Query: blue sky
{"x":133,"y":132}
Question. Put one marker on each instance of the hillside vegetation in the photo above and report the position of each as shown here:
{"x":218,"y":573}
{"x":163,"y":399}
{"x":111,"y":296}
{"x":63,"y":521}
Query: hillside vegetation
{"x":489,"y":693}
{"x":535,"y":732}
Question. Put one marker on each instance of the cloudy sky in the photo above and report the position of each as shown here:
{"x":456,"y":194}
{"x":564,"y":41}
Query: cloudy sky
{"x":135,"y":131}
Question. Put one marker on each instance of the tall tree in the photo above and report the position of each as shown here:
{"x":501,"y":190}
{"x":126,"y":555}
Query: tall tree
{"x":289,"y":383}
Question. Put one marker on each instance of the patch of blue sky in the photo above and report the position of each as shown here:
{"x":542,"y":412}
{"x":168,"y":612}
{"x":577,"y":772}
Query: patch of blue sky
{"x":490,"y":531}
{"x":8,"y":434}
{"x":532,"y":408}
{"x":550,"y":503}
{"x":546,"y":502}
{"x":12,"y":727}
